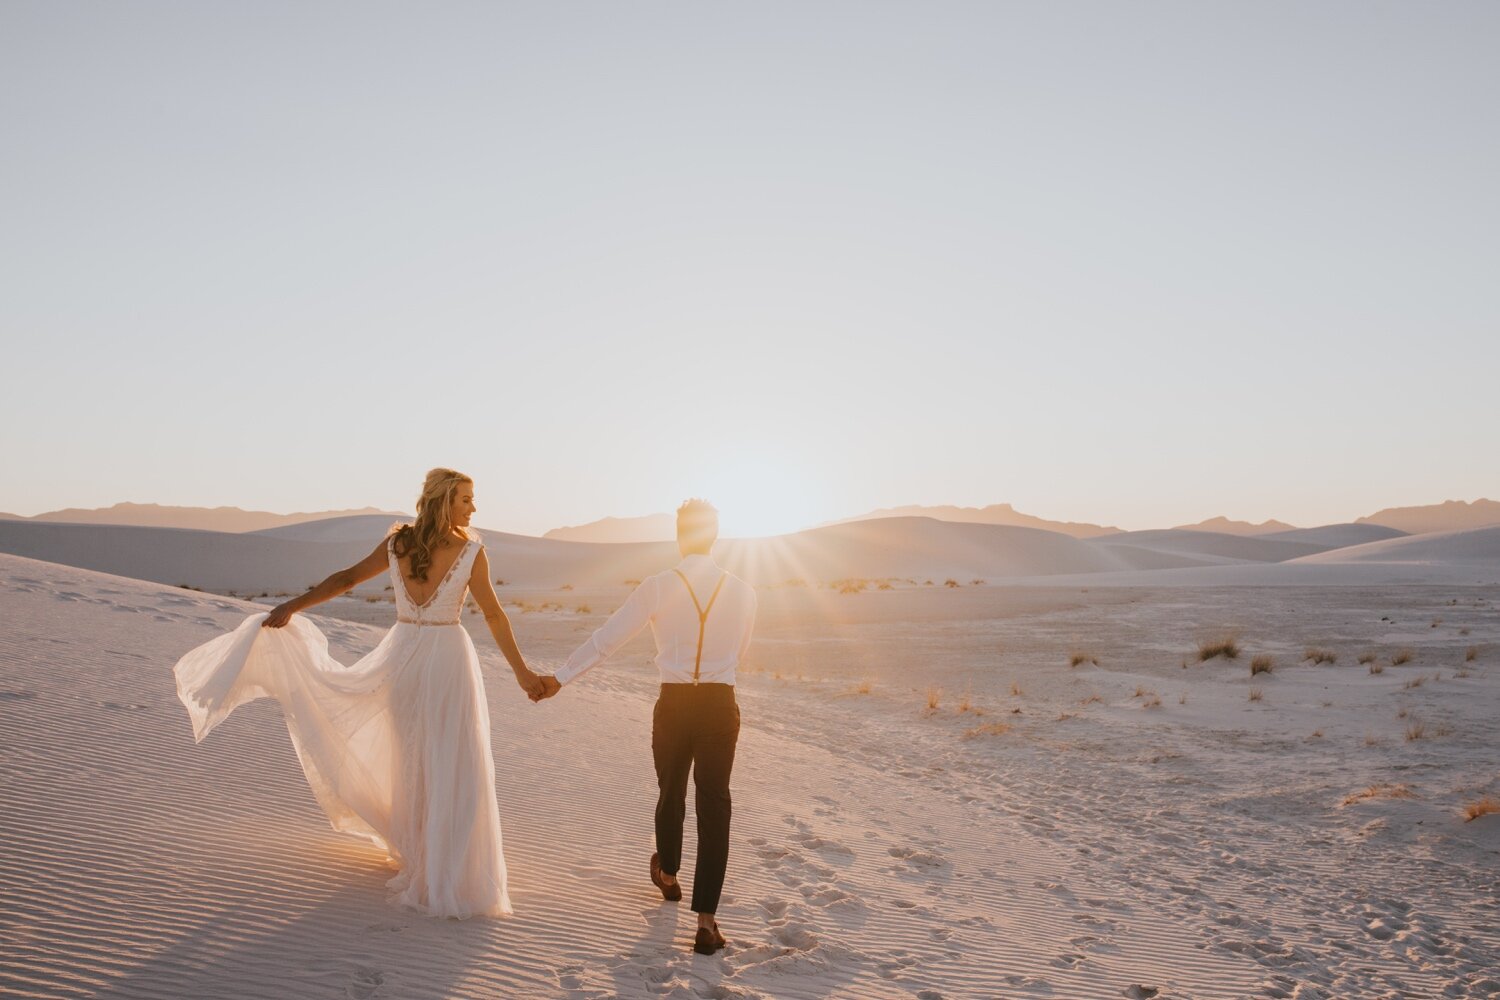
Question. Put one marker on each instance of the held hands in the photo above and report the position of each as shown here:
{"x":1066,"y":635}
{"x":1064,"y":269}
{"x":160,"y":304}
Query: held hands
{"x":549,"y":687}
{"x":536,"y":686}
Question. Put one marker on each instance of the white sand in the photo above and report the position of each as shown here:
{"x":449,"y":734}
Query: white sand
{"x":1200,"y":849}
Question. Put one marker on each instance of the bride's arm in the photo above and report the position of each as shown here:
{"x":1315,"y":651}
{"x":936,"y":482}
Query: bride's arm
{"x":345,"y":579}
{"x":494,"y":616}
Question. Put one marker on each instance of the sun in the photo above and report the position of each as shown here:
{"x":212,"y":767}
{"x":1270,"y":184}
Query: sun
{"x":757,"y":499}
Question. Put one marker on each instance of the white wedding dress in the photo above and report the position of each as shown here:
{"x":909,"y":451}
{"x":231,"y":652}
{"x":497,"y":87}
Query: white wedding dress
{"x":396,"y":747}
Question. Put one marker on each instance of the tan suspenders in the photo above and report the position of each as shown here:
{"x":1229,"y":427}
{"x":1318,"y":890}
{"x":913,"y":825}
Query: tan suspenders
{"x":702,"y":615}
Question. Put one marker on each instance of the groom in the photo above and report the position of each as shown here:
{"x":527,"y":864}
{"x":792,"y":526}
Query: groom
{"x":701,"y":617}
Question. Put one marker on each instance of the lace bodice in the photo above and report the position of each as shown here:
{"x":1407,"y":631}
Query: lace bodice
{"x":446,"y":603}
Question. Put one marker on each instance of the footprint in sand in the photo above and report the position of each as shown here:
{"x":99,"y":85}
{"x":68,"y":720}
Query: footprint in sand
{"x":923,"y":861}
{"x":366,"y":981}
{"x":892,"y":968}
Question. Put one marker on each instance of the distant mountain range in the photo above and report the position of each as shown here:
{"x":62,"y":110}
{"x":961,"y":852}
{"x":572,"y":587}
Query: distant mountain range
{"x":995,"y":513}
{"x":620,"y":530}
{"x":1225,"y":526}
{"x":150,"y":515}
{"x":1451,"y":515}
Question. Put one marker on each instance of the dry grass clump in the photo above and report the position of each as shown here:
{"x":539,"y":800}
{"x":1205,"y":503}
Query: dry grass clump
{"x":584,"y":609}
{"x":1226,"y":646}
{"x":1065,"y":716}
{"x":1401,"y":656}
{"x":1079,"y":659}
{"x":1371,"y":740}
{"x":1485,"y":806}
{"x":964,"y":704}
{"x":950,"y":583}
{"x":1015,"y":690}
{"x":863,"y":687}
{"x":987,"y":729}
{"x":1366,"y":658}
{"x":1182,"y":698}
{"x":1376,"y":668}
{"x":1091,"y":699}
{"x":1462,"y":672}
{"x":1318,"y":655}
{"x":1379,"y":790}
{"x":976,"y":583}
{"x":934,"y":697}
{"x":1256,"y":694}
{"x":1152,"y":702}
{"x":1435,"y":623}
{"x":1141,"y":692}
{"x":1416,"y":731}
{"x":1262,"y":663}
{"x":1414,"y":682}
{"x":1471,"y":654}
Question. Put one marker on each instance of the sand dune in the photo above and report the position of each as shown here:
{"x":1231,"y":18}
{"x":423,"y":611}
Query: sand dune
{"x":1475,"y":547}
{"x":1091,"y":846}
{"x":289,"y":559}
{"x":1210,"y":547}
{"x":232,"y":519}
{"x":1336,"y":536}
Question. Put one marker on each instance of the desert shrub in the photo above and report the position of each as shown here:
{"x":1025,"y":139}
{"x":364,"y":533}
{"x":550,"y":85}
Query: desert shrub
{"x":1380,"y":790}
{"x":1366,"y":658}
{"x":1256,"y":694}
{"x":1485,"y":806}
{"x":1262,"y":663}
{"x":1225,"y":646}
{"x":987,"y":729}
{"x":1317,"y":655}
{"x":1401,"y":656}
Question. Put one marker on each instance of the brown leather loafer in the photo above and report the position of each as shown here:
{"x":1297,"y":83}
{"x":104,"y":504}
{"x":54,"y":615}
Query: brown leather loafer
{"x":709,"y":940}
{"x":670,"y":892}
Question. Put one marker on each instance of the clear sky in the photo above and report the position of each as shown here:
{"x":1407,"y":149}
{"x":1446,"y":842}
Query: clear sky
{"x":1136,"y":264}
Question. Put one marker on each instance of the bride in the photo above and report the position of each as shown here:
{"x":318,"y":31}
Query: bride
{"x":397,"y":746}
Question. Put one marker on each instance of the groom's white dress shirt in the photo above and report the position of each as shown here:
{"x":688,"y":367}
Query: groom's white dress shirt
{"x":663,"y":602}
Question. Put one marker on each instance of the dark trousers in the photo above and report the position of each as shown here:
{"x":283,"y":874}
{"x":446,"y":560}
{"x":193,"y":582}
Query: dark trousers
{"x":695,"y":727}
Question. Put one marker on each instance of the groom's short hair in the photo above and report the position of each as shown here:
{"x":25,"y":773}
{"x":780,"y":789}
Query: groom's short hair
{"x":697,"y":525}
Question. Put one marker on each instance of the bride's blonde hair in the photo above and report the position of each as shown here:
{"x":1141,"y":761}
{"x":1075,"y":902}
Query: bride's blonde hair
{"x":433,"y":523}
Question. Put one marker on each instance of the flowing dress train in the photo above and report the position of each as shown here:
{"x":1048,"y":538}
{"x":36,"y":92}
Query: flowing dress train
{"x":396,"y":747}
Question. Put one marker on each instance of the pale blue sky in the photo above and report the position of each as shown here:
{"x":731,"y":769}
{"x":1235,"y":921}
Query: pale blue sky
{"x":1130,"y":263}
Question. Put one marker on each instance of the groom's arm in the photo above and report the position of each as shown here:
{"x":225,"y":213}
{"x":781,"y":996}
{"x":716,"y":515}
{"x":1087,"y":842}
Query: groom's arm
{"x":621,"y":627}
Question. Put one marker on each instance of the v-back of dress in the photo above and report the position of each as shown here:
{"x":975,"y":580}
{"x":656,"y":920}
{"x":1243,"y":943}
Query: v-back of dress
{"x":396,"y":747}
{"x":444,"y":605}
